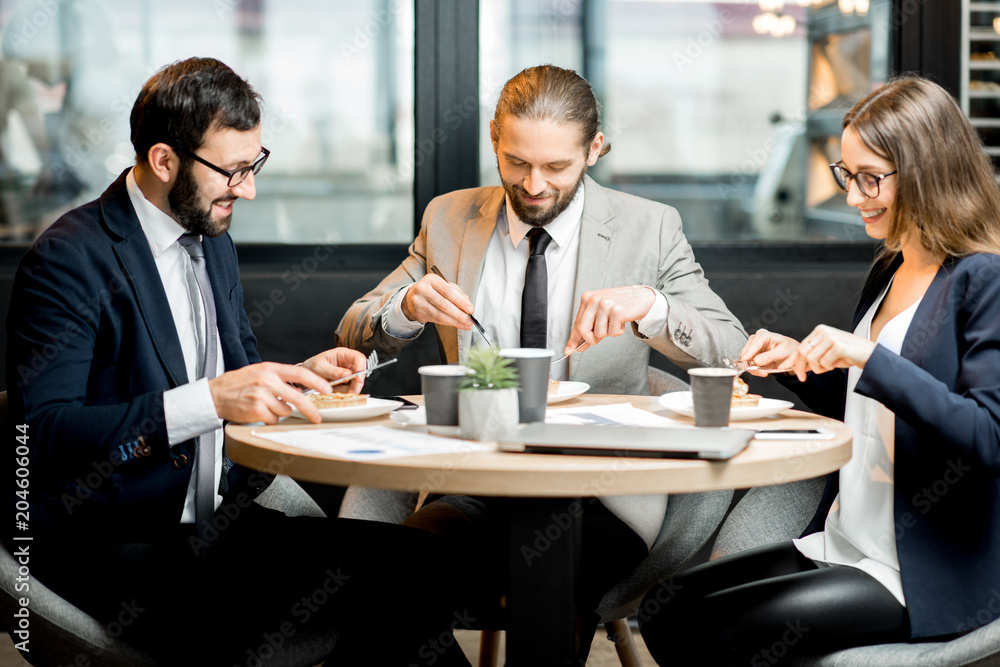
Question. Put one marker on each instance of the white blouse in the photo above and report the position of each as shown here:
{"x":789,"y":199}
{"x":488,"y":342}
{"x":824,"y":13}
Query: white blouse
{"x":860,"y":528}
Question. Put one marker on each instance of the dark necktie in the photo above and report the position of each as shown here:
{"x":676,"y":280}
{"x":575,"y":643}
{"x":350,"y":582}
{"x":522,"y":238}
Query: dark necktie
{"x":208,"y":332}
{"x":535,"y":297}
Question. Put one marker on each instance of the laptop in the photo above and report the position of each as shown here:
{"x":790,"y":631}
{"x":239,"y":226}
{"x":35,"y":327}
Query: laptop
{"x":641,"y":441}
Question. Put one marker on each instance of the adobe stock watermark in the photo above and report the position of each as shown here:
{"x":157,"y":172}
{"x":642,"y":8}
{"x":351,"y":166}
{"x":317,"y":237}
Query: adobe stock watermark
{"x":800,"y":454}
{"x":432,"y":650}
{"x":905,"y":10}
{"x":561,"y":522}
{"x":451,"y":120}
{"x":437,"y":478}
{"x":232,"y":507}
{"x":924,"y":501}
{"x":27,"y":26}
{"x":302,"y":611}
{"x":365,"y":34}
{"x":928,"y":329}
{"x":276,"y":121}
{"x":986,"y":614}
{"x":658,"y":597}
{"x":262,"y":309}
{"x":131,"y":446}
{"x":695,"y":46}
{"x":782,"y":302}
{"x":565,"y":12}
{"x":778,"y":649}
{"x":756,"y":159}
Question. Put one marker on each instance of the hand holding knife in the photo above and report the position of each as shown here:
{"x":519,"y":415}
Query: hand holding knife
{"x":472,"y":317}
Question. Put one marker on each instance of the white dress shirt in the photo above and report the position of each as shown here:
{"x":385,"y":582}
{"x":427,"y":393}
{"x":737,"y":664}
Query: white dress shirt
{"x":497,"y":301}
{"x":189,"y":409}
{"x":860,"y":529}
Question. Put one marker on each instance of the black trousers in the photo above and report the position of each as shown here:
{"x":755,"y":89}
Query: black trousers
{"x":609,"y":551}
{"x":391,"y":590}
{"x":757,"y":607}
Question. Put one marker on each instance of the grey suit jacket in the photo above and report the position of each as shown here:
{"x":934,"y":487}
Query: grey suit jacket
{"x":624,"y":240}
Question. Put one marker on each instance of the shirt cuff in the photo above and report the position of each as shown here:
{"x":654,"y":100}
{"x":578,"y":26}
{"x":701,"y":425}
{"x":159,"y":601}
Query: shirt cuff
{"x":395,"y":323}
{"x":189,"y":411}
{"x":655,"y":321}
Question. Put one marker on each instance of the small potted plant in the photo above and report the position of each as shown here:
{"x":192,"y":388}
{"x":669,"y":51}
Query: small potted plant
{"x":487,"y":396}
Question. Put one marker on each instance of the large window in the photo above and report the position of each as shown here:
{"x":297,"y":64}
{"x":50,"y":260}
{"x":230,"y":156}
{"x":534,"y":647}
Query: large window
{"x":707,"y":104}
{"x":725,"y":109}
{"x":337,"y":83}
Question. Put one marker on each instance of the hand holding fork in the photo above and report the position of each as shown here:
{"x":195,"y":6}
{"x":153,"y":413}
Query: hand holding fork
{"x":373,"y":363}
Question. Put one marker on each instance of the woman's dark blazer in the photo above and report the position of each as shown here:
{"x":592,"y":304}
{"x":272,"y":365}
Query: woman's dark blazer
{"x":944,"y":388}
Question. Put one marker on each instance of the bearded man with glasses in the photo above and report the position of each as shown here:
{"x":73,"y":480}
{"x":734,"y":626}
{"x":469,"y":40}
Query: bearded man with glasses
{"x":128,"y":348}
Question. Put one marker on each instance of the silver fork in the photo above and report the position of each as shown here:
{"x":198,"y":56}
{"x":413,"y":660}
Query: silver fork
{"x":556,"y":361}
{"x":371,"y":365}
{"x":742,"y":367}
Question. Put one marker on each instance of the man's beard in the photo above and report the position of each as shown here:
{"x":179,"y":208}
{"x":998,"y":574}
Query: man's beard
{"x":537,"y":216}
{"x":184,"y":199}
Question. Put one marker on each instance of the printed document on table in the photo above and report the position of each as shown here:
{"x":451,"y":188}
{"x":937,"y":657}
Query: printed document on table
{"x":617,"y":414}
{"x":369,"y":443}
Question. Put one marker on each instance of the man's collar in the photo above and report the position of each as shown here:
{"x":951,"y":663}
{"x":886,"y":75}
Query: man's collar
{"x":161,"y":230}
{"x":561,"y":229}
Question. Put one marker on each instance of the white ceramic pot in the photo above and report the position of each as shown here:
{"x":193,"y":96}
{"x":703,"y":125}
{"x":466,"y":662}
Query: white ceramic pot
{"x":486,"y":414}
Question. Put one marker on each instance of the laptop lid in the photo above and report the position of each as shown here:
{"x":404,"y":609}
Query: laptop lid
{"x":643,"y":441}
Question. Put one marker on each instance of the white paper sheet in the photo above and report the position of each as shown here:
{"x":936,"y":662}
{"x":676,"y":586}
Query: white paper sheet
{"x":367,"y":443}
{"x":616,"y":414}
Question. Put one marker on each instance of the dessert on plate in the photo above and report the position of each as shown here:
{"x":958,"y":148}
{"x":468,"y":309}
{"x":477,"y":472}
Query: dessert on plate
{"x":345,"y":400}
{"x":741,"y":396}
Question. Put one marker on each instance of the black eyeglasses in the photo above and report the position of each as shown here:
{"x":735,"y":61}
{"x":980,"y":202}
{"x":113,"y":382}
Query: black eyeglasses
{"x":867,"y":183}
{"x":238,"y":176}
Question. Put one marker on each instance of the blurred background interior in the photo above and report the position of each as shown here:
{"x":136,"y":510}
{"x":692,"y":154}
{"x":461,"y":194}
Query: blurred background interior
{"x":727,"y":110}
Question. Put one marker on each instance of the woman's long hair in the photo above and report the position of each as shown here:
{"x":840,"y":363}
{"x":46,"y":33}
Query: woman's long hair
{"x":945,"y":185}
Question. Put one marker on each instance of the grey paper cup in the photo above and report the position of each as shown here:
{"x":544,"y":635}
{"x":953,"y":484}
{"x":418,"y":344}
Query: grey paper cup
{"x":533,"y":373}
{"x":712,"y":394}
{"x":439,"y":385}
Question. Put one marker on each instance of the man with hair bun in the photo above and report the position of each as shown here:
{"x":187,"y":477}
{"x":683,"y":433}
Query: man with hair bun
{"x":614,"y":263}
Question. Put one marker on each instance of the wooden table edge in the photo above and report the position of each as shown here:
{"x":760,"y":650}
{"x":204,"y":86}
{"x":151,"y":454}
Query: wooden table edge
{"x":537,"y":475}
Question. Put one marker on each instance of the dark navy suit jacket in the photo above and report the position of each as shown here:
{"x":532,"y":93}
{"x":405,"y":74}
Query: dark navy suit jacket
{"x":944,"y":388}
{"x":92,"y":346}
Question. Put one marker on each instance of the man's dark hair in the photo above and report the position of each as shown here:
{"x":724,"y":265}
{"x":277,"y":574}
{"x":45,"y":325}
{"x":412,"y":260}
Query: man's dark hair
{"x":182,"y":101}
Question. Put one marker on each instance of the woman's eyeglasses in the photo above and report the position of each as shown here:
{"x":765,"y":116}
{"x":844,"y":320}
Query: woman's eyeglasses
{"x":867,"y":183}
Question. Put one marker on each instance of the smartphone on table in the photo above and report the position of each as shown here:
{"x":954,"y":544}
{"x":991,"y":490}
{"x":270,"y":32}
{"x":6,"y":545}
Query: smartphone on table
{"x":406,"y":404}
{"x":794,"y":434}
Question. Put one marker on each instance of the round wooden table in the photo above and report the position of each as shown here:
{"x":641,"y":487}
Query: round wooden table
{"x":539,"y":476}
{"x":544,"y":629}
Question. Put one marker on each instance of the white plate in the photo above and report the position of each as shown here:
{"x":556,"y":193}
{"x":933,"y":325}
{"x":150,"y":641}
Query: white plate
{"x":567,"y":390}
{"x":373,"y":407}
{"x":680,"y":402}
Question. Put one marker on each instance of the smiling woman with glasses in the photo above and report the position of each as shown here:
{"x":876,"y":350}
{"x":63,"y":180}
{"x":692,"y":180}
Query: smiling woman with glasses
{"x":916,"y":381}
{"x":238,"y":176}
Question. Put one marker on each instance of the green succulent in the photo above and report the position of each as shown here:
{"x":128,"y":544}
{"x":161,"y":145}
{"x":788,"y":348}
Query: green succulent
{"x":489,"y":371}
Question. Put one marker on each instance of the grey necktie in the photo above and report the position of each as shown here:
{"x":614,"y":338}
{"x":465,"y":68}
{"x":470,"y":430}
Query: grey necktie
{"x":208,"y":344}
